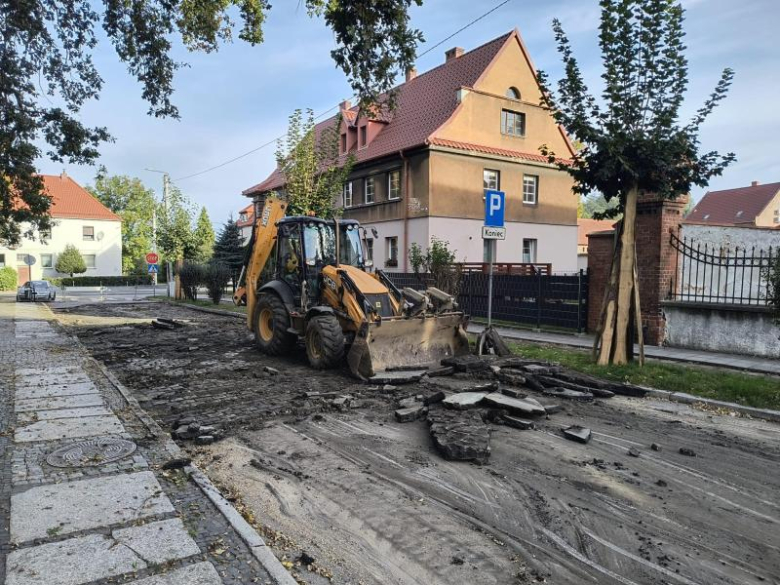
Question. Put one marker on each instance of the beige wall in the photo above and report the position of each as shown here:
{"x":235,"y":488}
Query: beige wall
{"x":478,"y":119}
{"x":457,"y":189}
{"x":767,"y":217}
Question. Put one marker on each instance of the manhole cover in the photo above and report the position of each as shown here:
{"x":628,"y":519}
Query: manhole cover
{"x":91,"y":452}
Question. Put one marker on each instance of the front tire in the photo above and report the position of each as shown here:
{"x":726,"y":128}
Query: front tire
{"x":324,"y":342}
{"x":272,"y":322}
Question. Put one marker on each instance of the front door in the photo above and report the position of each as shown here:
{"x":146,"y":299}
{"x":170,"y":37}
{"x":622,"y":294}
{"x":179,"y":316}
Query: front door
{"x":24,"y":273}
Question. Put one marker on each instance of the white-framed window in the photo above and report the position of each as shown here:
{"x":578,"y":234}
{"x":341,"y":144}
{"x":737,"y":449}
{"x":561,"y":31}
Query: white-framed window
{"x":491,"y":179}
{"x":348,"y":194}
{"x":530,"y":189}
{"x":21,"y":259}
{"x":2,"y":260}
{"x":89,"y":260}
{"x":394,"y":185}
{"x":47,"y":260}
{"x":391,"y":245}
{"x":777,"y":215}
{"x":242,"y":216}
{"x":370,"y":189}
{"x":512,"y":123}
{"x":369,"y":250}
{"x":46,"y":234}
{"x":529,"y":251}
{"x":88,"y":233}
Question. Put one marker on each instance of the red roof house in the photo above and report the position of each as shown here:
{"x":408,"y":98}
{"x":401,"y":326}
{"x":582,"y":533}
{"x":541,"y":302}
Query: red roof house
{"x":757,"y":205}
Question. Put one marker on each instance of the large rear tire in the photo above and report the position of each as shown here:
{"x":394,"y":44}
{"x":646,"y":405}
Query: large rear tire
{"x":272,"y":322}
{"x":324,"y":342}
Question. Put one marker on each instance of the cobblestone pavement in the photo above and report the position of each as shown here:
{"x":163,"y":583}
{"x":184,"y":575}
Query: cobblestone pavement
{"x":84,"y":497}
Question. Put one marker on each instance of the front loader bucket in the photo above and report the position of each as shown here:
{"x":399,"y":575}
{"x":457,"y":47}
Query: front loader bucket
{"x":401,"y":343}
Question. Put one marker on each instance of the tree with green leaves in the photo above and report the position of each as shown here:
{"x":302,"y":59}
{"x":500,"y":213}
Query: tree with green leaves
{"x":438,"y":261}
{"x":203,"y":238}
{"x":229,"y":249}
{"x":633,"y":140}
{"x":175,"y":236}
{"x":594,"y":206}
{"x":134,"y":203}
{"x":313,"y":170}
{"x":48,"y":74}
{"x":70,"y":261}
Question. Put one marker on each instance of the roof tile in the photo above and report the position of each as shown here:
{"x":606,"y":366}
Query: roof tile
{"x":71,"y":201}
{"x":724,"y":207}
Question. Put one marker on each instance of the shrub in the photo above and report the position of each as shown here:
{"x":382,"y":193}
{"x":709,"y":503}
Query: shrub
{"x":131,"y":280}
{"x":438,"y":261}
{"x":191,"y":276}
{"x":70,"y":261}
{"x":217,"y":276}
{"x":772,"y":276}
{"x":8,"y":278}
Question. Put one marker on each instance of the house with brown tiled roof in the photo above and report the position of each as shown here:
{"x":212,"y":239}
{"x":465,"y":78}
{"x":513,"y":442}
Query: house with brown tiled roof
{"x":754,"y":206}
{"x":78,"y":218}
{"x":470,"y":124}
{"x":245,"y":221}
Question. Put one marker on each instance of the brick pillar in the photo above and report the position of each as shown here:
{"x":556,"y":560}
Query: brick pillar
{"x":656,"y":263}
{"x":600,"y":246}
{"x":657,"y":260}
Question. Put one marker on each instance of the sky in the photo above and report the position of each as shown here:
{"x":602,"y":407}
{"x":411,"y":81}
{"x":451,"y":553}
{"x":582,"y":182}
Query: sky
{"x":240,"y":97}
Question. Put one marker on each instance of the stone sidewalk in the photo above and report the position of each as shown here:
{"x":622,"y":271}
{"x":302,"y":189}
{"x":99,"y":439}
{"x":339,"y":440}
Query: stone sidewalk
{"x":85,"y":496}
{"x":745,"y":363}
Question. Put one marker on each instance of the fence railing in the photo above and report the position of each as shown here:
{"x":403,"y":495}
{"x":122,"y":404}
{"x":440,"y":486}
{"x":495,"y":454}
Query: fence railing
{"x":715,"y":274}
{"x":506,"y":268}
{"x":541,"y":300}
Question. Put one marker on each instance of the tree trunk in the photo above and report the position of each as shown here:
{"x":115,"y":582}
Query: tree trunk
{"x":615,"y":337}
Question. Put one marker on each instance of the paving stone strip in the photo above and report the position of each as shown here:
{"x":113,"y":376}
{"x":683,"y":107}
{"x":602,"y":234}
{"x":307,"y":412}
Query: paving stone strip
{"x":99,"y":510}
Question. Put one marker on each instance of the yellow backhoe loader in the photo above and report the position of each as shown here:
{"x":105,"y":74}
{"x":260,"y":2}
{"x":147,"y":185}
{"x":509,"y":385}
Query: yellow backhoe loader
{"x":305,"y":277}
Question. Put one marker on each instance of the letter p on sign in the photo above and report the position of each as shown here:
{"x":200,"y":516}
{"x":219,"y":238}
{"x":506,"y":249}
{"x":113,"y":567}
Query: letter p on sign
{"x":494,"y":208}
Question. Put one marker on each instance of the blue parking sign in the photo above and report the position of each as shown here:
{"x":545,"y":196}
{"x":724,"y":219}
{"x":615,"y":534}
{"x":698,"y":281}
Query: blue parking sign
{"x":494,"y":208}
{"x":152,"y":268}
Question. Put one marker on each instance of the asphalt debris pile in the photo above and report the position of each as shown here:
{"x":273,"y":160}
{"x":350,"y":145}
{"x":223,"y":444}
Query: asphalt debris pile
{"x":464,"y":396}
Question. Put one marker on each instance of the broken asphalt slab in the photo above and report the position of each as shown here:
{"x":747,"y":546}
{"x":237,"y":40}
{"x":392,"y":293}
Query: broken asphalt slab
{"x":523,"y":406}
{"x":464,"y":400}
{"x":460,"y":436}
{"x":577,"y":433}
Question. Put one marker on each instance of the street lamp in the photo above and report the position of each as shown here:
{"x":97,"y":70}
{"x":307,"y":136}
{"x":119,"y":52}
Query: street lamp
{"x":166,"y":185}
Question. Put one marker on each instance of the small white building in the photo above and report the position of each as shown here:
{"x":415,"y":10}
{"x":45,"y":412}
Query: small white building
{"x":78,"y":218}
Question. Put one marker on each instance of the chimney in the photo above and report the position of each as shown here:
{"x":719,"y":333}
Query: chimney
{"x":63,"y":175}
{"x":411,"y":73}
{"x":754,"y":183}
{"x":345,"y":105}
{"x":453,"y":53}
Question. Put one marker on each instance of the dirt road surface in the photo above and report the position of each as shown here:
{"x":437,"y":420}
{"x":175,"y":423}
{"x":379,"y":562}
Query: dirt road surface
{"x":371,"y":501}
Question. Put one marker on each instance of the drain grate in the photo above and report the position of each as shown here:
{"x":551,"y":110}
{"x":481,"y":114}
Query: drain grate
{"x":91,"y":452}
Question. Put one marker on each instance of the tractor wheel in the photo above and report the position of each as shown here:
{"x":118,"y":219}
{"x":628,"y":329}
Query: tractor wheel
{"x":271,"y":323}
{"x":324,"y":342}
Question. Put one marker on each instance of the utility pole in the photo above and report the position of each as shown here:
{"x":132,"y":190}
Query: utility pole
{"x":166,"y":187}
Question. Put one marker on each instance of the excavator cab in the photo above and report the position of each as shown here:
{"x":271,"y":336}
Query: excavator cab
{"x":305,"y":277}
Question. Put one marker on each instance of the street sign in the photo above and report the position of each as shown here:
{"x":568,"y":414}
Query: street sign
{"x":29,"y":259}
{"x":153,"y":269}
{"x":493,"y":233}
{"x":494,"y":208}
{"x":152,"y":258}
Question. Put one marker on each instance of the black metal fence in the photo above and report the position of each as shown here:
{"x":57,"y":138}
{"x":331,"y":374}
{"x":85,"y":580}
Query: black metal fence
{"x":541,"y":300}
{"x":715,"y":274}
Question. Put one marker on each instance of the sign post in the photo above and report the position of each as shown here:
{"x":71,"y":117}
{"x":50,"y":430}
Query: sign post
{"x":152,"y":268}
{"x":493,"y":230}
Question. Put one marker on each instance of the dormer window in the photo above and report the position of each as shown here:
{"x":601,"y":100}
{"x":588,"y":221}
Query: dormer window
{"x":512,"y":123}
{"x":513,"y":93}
{"x":363,"y":136}
{"x":242,"y":216}
{"x":344,"y":143}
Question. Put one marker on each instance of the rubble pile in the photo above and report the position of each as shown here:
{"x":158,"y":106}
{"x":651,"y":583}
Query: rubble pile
{"x":188,"y":429}
{"x":466,"y":394}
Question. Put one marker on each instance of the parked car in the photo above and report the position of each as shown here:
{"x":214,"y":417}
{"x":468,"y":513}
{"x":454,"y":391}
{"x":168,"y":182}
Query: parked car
{"x":36,"y":290}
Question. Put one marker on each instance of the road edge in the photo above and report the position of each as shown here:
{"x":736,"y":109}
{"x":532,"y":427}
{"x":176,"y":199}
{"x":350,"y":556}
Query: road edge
{"x":257,"y":546}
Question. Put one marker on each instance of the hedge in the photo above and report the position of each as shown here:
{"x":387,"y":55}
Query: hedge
{"x":131,"y":280}
{"x":8,"y":278}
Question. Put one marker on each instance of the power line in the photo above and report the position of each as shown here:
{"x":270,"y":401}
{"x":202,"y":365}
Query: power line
{"x":270,"y":142}
{"x":460,"y":30}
